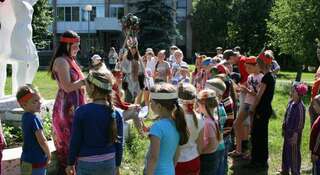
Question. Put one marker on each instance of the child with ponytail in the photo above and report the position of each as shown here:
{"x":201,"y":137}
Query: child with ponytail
{"x":220,"y":165}
{"x":96,"y":140}
{"x":189,"y":157}
{"x":169,"y":131}
{"x":208,"y":103}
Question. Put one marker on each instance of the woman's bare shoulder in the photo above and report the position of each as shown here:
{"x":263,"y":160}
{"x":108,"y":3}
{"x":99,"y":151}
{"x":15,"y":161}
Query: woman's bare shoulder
{"x":61,"y":62}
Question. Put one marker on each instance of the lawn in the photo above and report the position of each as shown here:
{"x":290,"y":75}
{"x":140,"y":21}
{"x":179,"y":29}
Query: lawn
{"x":46,"y":86}
{"x":136,"y":146}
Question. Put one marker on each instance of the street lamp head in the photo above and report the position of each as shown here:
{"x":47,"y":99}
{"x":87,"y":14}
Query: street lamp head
{"x":88,"y":8}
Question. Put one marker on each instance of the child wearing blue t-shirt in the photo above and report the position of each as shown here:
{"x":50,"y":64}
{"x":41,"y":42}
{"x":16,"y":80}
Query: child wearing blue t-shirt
{"x":169,"y":131}
{"x":35,"y":151}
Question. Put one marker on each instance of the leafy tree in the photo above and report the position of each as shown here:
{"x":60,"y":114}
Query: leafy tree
{"x":247,"y":26}
{"x":294,"y":27}
{"x":158,"y":29}
{"x":42,"y":18}
{"x":209,"y":24}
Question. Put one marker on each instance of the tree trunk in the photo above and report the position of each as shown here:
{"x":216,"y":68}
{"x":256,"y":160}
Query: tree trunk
{"x":299,"y":74}
{"x":54,"y":27}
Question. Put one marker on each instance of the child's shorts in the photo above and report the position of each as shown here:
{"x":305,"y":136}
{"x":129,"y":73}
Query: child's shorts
{"x":246,"y":120}
{"x":32,"y":169}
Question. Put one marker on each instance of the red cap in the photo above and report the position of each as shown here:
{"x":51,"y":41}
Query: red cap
{"x":251,"y":60}
{"x":264,"y":58}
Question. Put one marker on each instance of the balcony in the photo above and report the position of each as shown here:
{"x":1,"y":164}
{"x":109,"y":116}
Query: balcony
{"x":100,"y":23}
{"x":107,"y":24}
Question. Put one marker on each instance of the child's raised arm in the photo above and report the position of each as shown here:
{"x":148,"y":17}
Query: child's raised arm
{"x":44,"y":144}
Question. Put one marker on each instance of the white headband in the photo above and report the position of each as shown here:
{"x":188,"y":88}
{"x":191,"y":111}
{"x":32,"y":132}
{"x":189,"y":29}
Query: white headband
{"x":163,"y":96}
{"x":218,"y":91}
{"x":187,"y":101}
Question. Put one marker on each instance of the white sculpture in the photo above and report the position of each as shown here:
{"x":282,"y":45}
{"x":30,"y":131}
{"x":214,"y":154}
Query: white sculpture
{"x":16,"y":45}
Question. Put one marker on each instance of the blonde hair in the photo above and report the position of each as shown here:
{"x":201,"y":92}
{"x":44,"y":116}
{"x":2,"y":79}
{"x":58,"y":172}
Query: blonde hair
{"x":178,"y":51}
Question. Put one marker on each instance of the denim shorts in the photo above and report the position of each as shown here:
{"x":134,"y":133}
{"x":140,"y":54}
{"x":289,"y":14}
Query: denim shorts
{"x":107,"y":167}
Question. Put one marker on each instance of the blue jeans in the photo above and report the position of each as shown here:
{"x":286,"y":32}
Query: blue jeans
{"x":107,"y":167}
{"x":218,"y":164}
{"x":227,"y":145}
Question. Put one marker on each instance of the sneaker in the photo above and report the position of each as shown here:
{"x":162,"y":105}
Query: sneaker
{"x":282,"y":173}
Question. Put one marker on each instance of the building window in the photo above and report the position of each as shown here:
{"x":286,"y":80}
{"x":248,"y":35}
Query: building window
{"x":67,"y":13}
{"x":75,"y":14}
{"x":181,"y":3}
{"x":181,"y":12}
{"x":60,"y":13}
{"x":84,"y":15}
{"x":100,"y":11}
{"x":116,"y":12}
{"x":120,"y":12}
{"x":93,"y":13}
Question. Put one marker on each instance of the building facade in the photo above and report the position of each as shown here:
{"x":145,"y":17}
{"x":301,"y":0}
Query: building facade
{"x":97,"y":22}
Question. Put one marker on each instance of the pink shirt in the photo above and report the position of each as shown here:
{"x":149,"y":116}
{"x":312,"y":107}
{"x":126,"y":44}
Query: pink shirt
{"x":209,"y":132}
{"x":253,"y":82}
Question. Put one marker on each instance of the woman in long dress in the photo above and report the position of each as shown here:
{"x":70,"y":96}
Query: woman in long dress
{"x":70,"y":79}
{"x":132,"y":67}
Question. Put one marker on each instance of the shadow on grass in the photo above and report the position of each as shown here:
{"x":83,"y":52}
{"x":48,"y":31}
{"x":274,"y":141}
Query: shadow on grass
{"x":237,"y":168}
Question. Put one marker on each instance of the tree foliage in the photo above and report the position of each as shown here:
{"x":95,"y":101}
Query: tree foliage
{"x":42,"y":18}
{"x":294,"y":27}
{"x":247,"y":25}
{"x":209,"y":24}
{"x":158,"y":30}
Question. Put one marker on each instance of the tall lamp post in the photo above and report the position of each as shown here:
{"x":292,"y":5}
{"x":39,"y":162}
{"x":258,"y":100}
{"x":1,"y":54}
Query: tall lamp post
{"x":88,"y":9}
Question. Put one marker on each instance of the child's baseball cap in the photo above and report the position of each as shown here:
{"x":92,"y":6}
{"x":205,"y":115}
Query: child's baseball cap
{"x":207,"y":61}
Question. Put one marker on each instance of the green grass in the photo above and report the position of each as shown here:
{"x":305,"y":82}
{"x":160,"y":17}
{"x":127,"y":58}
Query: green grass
{"x":46,"y":86}
{"x":306,"y":76}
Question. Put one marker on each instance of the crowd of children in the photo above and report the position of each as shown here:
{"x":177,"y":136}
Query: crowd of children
{"x":221,"y":109}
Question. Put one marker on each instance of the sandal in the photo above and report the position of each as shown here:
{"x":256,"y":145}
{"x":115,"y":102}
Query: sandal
{"x":235,"y":154}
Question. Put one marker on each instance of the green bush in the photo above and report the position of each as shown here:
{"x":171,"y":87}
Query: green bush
{"x":14,"y":136}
